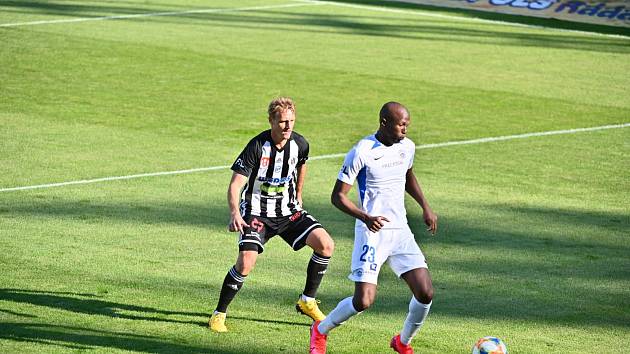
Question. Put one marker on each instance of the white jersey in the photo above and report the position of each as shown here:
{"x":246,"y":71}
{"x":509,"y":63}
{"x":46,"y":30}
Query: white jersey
{"x":381,"y":173}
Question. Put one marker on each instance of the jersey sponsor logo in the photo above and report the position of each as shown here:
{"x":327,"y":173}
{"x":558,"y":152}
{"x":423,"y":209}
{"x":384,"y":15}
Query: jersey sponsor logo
{"x":273,"y":189}
{"x":359,"y":273}
{"x":392,"y":164}
{"x":274,"y":181}
{"x":267,"y":197}
{"x":264,"y":162}
{"x":295,"y":216}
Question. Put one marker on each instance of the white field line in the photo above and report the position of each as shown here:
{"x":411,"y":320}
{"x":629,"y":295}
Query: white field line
{"x":460,"y":18}
{"x":154,"y":14}
{"x":323,"y":157}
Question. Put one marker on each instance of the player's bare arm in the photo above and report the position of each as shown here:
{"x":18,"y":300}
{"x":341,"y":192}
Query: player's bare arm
{"x":234,"y":196}
{"x":413,"y":188}
{"x":339,"y":198}
{"x":301,"y":177}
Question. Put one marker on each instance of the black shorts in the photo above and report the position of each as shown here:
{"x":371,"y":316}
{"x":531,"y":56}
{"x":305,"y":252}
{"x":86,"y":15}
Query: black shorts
{"x":293,"y":229}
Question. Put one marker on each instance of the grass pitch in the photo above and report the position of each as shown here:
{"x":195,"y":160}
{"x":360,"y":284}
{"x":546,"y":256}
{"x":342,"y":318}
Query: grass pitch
{"x":533,"y":238}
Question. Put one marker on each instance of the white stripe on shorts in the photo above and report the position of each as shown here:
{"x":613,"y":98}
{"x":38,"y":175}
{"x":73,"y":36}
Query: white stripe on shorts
{"x":304,"y":233}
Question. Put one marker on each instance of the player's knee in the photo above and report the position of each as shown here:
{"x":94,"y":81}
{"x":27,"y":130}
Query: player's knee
{"x":425,"y":296}
{"x":244,"y":268}
{"x":245,"y":264}
{"x":322,"y":243}
{"x":328,"y":246}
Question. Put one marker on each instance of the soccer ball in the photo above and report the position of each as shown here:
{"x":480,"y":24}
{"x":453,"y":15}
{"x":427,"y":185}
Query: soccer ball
{"x":489,"y":345}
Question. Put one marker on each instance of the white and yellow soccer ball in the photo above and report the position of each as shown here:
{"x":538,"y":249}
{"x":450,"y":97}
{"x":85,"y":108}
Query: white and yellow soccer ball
{"x":489,"y":345}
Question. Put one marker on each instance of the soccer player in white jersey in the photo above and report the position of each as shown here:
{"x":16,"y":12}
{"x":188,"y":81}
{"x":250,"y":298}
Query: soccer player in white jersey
{"x":265,"y":199}
{"x":381,"y":164}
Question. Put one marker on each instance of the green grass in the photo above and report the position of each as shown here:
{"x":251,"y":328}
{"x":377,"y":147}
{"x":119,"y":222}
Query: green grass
{"x":533,"y":238}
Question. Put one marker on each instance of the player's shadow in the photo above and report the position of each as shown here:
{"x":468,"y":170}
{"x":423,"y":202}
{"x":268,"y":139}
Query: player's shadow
{"x":79,"y":338}
{"x":424,"y":28}
{"x":203,"y":215}
{"x":92,"y":305}
{"x":495,"y":16}
{"x":545,"y":231}
{"x":260,"y":320}
{"x":84,"y":10}
{"x":538,"y":273}
{"x":428,"y":30}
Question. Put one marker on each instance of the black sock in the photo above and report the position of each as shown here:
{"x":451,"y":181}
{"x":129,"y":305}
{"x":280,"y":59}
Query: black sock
{"x":314,"y":273}
{"x":231,"y":285}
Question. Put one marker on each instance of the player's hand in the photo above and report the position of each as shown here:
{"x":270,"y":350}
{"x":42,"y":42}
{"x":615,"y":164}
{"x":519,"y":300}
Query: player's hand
{"x":375,"y":223}
{"x":430,"y":218}
{"x":236,"y":223}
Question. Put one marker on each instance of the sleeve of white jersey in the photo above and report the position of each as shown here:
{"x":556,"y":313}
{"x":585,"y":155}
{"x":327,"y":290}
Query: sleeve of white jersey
{"x":351,"y":167}
{"x":412,"y":151}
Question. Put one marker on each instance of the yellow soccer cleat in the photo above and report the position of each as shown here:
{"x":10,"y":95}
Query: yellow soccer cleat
{"x":310,"y":309}
{"x":217,"y":322}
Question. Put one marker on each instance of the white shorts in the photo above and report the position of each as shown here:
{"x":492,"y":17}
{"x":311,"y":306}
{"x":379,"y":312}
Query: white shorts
{"x":394,"y":246}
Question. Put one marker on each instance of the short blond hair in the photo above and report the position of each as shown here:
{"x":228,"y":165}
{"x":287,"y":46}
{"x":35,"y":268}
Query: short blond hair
{"x":279,"y":105}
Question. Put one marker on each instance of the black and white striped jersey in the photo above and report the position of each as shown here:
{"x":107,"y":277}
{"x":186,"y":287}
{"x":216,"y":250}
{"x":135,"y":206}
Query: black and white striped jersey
{"x":272,"y":175}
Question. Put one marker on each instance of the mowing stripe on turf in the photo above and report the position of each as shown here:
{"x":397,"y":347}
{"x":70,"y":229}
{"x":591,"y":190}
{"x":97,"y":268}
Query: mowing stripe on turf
{"x":154,"y":14}
{"x":459,"y":18}
{"x":322,"y":157}
{"x":305,"y":3}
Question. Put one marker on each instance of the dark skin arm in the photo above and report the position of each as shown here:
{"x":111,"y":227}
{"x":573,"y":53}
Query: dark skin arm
{"x":413,"y":188}
{"x":339,"y":198}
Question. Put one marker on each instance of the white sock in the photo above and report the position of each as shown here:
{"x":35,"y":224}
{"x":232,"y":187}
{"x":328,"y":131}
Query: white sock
{"x":307,"y":298}
{"x":415,"y":318}
{"x":338,"y":316}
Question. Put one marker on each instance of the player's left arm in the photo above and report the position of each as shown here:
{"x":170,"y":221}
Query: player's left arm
{"x":413,"y":188}
{"x":299,"y":184}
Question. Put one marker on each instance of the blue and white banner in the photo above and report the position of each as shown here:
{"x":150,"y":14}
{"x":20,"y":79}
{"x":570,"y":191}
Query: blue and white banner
{"x":612,"y":13}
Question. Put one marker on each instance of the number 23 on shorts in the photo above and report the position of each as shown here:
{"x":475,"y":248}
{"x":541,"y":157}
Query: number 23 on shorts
{"x":370,"y":252}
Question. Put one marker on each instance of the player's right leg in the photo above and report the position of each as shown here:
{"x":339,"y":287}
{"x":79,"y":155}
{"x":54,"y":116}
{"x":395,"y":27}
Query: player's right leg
{"x":364,"y":296}
{"x":368,"y":256}
{"x":250,"y":244}
{"x":232,"y":283}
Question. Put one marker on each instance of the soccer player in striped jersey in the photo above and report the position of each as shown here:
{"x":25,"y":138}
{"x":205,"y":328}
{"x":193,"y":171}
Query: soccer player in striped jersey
{"x":381,"y":164}
{"x":265,"y":199}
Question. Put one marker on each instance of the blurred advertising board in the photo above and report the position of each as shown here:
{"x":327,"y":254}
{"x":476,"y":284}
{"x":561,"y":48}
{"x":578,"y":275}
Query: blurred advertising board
{"x":612,"y":13}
